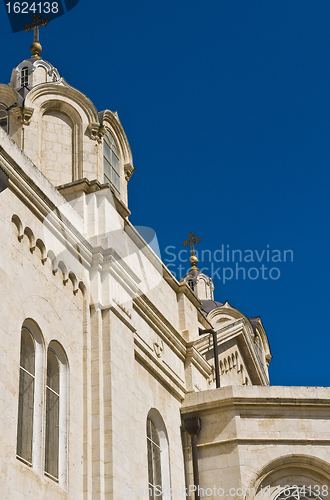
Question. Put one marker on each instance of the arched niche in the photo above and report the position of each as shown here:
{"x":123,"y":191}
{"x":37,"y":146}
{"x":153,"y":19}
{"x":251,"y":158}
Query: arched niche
{"x":60,"y":142}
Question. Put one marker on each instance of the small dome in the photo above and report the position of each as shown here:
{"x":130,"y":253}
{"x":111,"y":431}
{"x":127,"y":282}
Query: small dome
{"x":200,"y":283}
{"x":32,"y":72}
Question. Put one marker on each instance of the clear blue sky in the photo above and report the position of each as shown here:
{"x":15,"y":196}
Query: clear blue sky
{"x":226,"y":105}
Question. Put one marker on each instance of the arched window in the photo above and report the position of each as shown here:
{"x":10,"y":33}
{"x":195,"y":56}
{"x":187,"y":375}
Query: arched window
{"x":26,"y":397}
{"x":56,"y":432}
{"x":52,"y":415}
{"x":31,"y":395}
{"x":111,"y":162}
{"x":3,"y":117}
{"x":24,"y":76}
{"x":43,"y":447}
{"x":159,"y":483}
{"x":154,"y":461}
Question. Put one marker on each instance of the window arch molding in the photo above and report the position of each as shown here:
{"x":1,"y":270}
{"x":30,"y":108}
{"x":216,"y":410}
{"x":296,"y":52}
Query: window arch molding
{"x":155,"y":417}
{"x":30,"y":326}
{"x":288,"y":470}
{"x":4,"y":117}
{"x":56,"y":349}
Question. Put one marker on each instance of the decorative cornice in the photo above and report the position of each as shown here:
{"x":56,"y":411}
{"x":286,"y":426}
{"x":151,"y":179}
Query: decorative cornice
{"x":23,"y":115}
{"x":96,"y":131}
{"x":128,"y":170}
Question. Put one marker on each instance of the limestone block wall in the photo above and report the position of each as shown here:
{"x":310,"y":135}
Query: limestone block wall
{"x":57,"y":147}
{"x":29,"y":289}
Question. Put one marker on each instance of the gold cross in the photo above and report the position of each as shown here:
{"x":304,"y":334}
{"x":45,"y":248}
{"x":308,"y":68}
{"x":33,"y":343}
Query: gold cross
{"x":36,"y":26}
{"x":191,"y":241}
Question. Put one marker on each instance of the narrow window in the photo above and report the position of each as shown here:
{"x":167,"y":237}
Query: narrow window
{"x":52,"y":415}
{"x":26,"y":397}
{"x":111,"y":162}
{"x":191,"y":284}
{"x":24,"y":76}
{"x":154,"y":461}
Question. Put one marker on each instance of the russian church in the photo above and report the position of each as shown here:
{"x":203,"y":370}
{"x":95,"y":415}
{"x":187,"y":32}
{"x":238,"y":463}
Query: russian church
{"x":117,"y":380}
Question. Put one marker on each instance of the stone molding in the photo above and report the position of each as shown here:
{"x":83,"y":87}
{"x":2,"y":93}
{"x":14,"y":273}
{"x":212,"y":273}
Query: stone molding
{"x":128,"y":171}
{"x":23,"y":115}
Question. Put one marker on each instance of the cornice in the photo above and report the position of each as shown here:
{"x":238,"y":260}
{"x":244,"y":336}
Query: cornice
{"x":252,"y":401}
{"x":87,"y":186}
{"x":23,"y":115}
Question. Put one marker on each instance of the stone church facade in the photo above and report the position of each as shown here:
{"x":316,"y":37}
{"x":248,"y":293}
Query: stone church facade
{"x":107,"y":389}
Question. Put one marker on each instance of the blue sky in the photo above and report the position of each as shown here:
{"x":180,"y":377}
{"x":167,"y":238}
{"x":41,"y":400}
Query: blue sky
{"x":226,"y":105}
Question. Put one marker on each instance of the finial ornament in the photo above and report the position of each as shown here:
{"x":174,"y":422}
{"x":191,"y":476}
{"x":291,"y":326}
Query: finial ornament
{"x":37,"y":23}
{"x":191,"y":241}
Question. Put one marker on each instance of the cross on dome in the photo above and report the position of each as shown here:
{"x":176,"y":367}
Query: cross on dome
{"x":36,"y":25}
{"x":191,"y":241}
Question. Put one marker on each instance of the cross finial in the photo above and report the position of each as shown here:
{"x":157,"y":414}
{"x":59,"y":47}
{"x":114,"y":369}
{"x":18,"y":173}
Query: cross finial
{"x":191,"y":241}
{"x":37,"y":23}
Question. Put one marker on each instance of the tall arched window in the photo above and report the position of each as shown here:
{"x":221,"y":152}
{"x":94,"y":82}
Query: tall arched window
{"x":159,"y":483}
{"x":56,"y":432}
{"x":52,"y":415}
{"x":111,"y":161}
{"x":154,"y":461}
{"x":26,"y":397}
{"x":31,"y":395}
{"x":24,"y":76}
